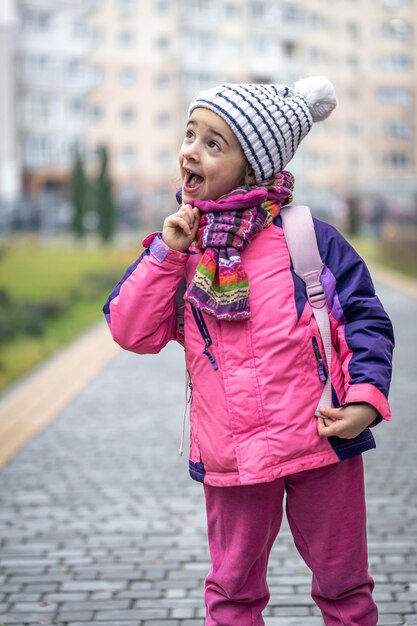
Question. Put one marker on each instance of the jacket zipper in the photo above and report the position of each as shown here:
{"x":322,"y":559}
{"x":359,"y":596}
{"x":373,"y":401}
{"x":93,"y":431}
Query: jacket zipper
{"x":321,"y":368}
{"x":204,"y":332}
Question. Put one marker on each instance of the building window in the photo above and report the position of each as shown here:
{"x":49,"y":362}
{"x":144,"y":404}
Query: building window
{"x":96,"y":74}
{"x":231,"y":11}
{"x":128,"y":115}
{"x":262,"y":46}
{"x":163,"y":82}
{"x":290,"y":49}
{"x":126,"y":7}
{"x":128,"y":156}
{"x":39,"y":151}
{"x":315,"y":21}
{"x":353,"y":94}
{"x":353,"y":160}
{"x":201,"y":43}
{"x":398,"y":129}
{"x":162,"y":43}
{"x":197,"y":81}
{"x":95,"y":35}
{"x":353,"y":129}
{"x":396,"y":4}
{"x":165,"y":159}
{"x":353,"y":30}
{"x":353,"y":62}
{"x":73,"y":67}
{"x":315,"y":55}
{"x":40,"y":108}
{"x":36,"y":21}
{"x":126,"y":38}
{"x":258,"y":10}
{"x":292,"y":13}
{"x":127,"y":76}
{"x":164,"y":119}
{"x":95,"y":113}
{"x":397,"y":160}
{"x":231,"y":47}
{"x":396,"y":96}
{"x":397,"y":62}
{"x":196,"y":6}
{"x":397,"y":29}
{"x":162,"y":6}
{"x":76,"y":108}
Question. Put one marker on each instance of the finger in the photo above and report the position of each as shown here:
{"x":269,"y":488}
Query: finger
{"x":321,"y":427}
{"x":331,"y":413}
{"x":187,"y":216}
{"x":180,"y":222}
{"x":327,"y":428}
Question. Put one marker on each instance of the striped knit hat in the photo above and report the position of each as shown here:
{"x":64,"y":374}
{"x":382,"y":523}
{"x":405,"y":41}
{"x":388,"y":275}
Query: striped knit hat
{"x":270,"y":120}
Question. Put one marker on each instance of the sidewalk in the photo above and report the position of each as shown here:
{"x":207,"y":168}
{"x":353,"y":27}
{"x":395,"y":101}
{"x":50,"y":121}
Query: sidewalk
{"x":100,"y":524}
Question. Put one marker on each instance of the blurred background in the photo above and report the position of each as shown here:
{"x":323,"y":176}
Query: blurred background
{"x":93,"y":101}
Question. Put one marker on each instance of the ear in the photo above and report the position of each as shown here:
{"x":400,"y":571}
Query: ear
{"x":249,"y":175}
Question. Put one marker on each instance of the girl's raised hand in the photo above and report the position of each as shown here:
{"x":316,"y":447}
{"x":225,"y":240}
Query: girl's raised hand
{"x":180,"y":228}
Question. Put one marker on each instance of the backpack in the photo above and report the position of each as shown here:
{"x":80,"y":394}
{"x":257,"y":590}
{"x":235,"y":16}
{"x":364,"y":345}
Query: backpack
{"x":298,"y":226}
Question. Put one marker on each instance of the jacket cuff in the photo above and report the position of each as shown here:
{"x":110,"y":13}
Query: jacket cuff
{"x":160,"y":251}
{"x":365,"y":392}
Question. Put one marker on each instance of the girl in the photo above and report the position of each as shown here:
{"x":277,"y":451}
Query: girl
{"x":255,"y":357}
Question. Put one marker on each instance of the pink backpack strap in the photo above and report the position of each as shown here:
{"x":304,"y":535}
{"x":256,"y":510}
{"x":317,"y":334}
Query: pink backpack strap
{"x":302,"y":244}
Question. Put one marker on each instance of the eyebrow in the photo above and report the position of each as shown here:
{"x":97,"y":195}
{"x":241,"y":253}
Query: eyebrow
{"x":210,"y":130}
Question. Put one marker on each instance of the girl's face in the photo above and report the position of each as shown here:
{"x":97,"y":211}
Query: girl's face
{"x":211,"y":160}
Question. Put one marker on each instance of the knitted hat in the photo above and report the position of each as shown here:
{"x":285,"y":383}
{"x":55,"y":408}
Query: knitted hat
{"x":270,"y":120}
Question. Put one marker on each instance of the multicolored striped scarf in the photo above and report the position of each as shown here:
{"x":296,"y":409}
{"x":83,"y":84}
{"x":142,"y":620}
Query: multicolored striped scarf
{"x":220,"y":284}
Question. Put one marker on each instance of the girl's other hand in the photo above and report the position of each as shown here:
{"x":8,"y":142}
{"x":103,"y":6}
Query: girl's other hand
{"x":180,"y":228}
{"x":346,"y":422}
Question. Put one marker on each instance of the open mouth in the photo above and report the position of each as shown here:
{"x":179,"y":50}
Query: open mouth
{"x":192,"y":181}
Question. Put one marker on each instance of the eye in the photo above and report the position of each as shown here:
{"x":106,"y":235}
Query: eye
{"x":189,"y":134}
{"x":215,"y":145}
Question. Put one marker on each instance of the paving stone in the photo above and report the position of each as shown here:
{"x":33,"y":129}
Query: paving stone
{"x":137,"y":614}
{"x":93,"y":585}
{"x":32,"y":607}
{"x":71,"y":616}
{"x":388,"y":620}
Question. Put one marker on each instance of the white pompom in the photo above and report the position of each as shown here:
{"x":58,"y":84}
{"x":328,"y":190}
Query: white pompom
{"x":320,"y":95}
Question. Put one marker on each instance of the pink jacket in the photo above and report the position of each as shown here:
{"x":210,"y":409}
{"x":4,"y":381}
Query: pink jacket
{"x":252,"y":418}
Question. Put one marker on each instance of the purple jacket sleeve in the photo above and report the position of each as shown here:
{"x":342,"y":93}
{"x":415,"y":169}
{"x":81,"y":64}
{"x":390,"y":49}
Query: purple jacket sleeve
{"x":141,"y":310}
{"x":365,"y":333}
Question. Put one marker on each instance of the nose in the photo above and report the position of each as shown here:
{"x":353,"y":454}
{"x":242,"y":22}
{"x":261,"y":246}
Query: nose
{"x":190,"y":151}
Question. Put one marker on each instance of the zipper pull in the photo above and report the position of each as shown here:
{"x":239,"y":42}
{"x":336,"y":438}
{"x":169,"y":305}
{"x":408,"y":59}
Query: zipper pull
{"x":320,"y":363}
{"x":210,"y":357}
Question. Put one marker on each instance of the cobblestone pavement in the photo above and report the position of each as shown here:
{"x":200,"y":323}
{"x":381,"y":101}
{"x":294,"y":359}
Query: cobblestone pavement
{"x":100,"y":524}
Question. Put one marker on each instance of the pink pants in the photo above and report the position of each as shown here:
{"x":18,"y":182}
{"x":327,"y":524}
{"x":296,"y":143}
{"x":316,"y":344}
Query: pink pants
{"x":326,"y":513}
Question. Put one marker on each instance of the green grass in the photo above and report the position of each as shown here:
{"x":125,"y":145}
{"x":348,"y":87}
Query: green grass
{"x":371,"y":250}
{"x":79,"y":276}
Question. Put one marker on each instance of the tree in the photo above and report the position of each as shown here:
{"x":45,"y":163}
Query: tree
{"x":104,"y":198}
{"x":79,"y":191}
{"x":354,"y":215}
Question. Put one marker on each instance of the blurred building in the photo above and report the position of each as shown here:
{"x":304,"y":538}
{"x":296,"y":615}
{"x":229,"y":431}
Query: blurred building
{"x":122,"y":73}
{"x":53,"y":80}
{"x":155,"y":56}
{"x":9,"y":153}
